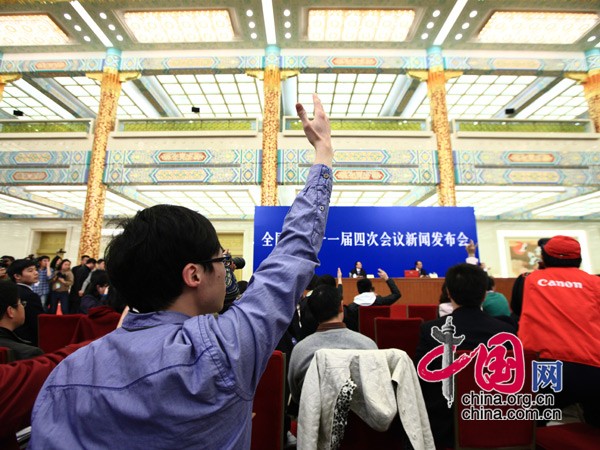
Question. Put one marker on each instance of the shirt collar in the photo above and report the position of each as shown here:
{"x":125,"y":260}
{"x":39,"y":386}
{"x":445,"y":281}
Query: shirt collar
{"x":331,"y":326}
{"x":26,"y":285}
{"x":134,"y":321}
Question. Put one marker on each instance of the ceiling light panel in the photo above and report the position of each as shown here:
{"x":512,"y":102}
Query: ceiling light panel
{"x":212,"y":25}
{"x":536,"y":27}
{"x":496,"y":200}
{"x":567,"y":105}
{"x":88,"y":92}
{"x":18,"y":207}
{"x":30,"y":29}
{"x":212,"y":203}
{"x":578,"y":207}
{"x":33,"y":103}
{"x":363,"y":97}
{"x":218,"y":96}
{"x":492,"y":93}
{"x":359,"y":25}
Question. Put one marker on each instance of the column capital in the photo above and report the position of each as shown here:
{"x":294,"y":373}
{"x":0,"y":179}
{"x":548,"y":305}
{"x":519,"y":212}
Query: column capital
{"x":272,"y":56}
{"x":9,"y":78}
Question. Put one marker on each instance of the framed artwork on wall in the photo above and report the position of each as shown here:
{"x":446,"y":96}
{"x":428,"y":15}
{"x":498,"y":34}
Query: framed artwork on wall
{"x":518,"y":250}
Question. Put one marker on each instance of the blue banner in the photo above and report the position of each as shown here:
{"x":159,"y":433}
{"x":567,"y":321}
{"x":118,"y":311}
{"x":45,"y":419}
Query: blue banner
{"x":390,"y":238}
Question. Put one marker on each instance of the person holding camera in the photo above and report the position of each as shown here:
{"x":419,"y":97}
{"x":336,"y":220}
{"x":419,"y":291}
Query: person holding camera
{"x":61,"y":284}
{"x":232,"y":291}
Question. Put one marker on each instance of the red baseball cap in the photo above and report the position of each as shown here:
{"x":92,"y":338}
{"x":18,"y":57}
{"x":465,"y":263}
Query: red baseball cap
{"x":563,"y":247}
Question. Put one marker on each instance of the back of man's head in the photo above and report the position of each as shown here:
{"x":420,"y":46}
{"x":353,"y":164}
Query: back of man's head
{"x":324,"y":303}
{"x":18,"y":266}
{"x":466,"y":284}
{"x":326,"y":279}
{"x":90,"y":262}
{"x":364,"y":285}
{"x":168,"y":237}
{"x":490,"y":283}
{"x":562,"y":251}
{"x":9,"y":296}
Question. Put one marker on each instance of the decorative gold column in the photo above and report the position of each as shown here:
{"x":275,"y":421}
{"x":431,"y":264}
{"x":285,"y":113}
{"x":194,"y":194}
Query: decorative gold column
{"x":93,"y":214}
{"x":591,"y":86}
{"x":436,"y":78}
{"x":5,"y":79}
{"x":271,"y":124}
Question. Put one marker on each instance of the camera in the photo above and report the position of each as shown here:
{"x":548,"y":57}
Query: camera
{"x":239,"y":262}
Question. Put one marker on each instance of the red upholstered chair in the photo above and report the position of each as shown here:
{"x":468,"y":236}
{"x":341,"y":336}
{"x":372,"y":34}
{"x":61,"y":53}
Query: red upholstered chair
{"x":402,"y":334}
{"x":6,"y":355}
{"x":425,"y":312}
{"x":269,"y":406}
{"x":366,"y":318}
{"x":574,"y":436}
{"x":99,"y":321}
{"x":398,"y":311}
{"x":359,"y":436}
{"x":478,"y":434}
{"x":54,"y":332}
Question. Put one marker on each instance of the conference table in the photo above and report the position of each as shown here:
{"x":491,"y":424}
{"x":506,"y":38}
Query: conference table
{"x":417,"y":291}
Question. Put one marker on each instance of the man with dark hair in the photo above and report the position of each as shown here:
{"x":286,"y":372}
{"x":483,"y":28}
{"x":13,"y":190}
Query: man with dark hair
{"x":176,"y":376}
{"x":42,"y":287}
{"x":367,"y":297}
{"x":561,"y":321}
{"x":12,"y":316}
{"x":80,"y":274}
{"x":325,"y":304}
{"x":25,"y":274}
{"x":466,"y":285}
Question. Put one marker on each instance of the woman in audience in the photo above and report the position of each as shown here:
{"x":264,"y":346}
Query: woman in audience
{"x":96,"y":292}
{"x":61,"y":284}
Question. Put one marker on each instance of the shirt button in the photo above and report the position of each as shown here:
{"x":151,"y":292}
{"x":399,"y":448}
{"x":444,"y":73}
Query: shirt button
{"x":326,"y":176}
{"x":321,"y":208}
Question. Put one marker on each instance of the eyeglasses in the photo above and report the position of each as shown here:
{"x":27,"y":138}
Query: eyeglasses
{"x":226,"y":260}
{"x":22,"y":302}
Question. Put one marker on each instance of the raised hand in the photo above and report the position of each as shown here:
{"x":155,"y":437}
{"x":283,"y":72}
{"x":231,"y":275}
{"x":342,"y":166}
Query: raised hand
{"x":317,"y":131}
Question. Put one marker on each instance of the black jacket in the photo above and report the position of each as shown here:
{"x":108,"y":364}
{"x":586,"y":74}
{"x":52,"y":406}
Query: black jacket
{"x":351,"y":311}
{"x":29,"y":330}
{"x":477,"y":327}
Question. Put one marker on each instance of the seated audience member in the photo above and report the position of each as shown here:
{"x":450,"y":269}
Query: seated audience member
{"x":445,"y":307}
{"x":25,"y":274}
{"x":419,"y":268}
{"x":96,"y":292}
{"x":516,"y":298}
{"x":358,"y":271}
{"x":367,"y":297}
{"x":325,"y":304}
{"x":561,"y":320}
{"x":175,"y":375}
{"x":466,"y":285}
{"x":495,"y":303}
{"x":99,"y":266}
{"x":12,"y":316}
{"x":303,"y":323}
{"x":471,"y":258}
{"x":3,"y":272}
{"x":20,"y":383}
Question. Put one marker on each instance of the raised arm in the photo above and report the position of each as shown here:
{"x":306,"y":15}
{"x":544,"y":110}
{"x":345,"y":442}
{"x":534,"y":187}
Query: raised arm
{"x":395,"y":292}
{"x":249,"y":331}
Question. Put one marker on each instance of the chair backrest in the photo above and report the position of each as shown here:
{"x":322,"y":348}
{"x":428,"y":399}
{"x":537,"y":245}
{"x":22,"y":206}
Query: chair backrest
{"x":269,"y":405}
{"x":6,"y":355}
{"x":54,"y":332}
{"x":366,"y":318}
{"x":476,"y":434}
{"x":398,"y":311}
{"x":402,"y":334}
{"x":425,"y":312}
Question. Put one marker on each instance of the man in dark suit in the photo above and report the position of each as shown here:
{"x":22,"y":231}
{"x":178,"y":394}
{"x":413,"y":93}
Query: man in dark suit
{"x":367,"y":297}
{"x":25,"y":274}
{"x":80,"y":274}
{"x":466,"y":286}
